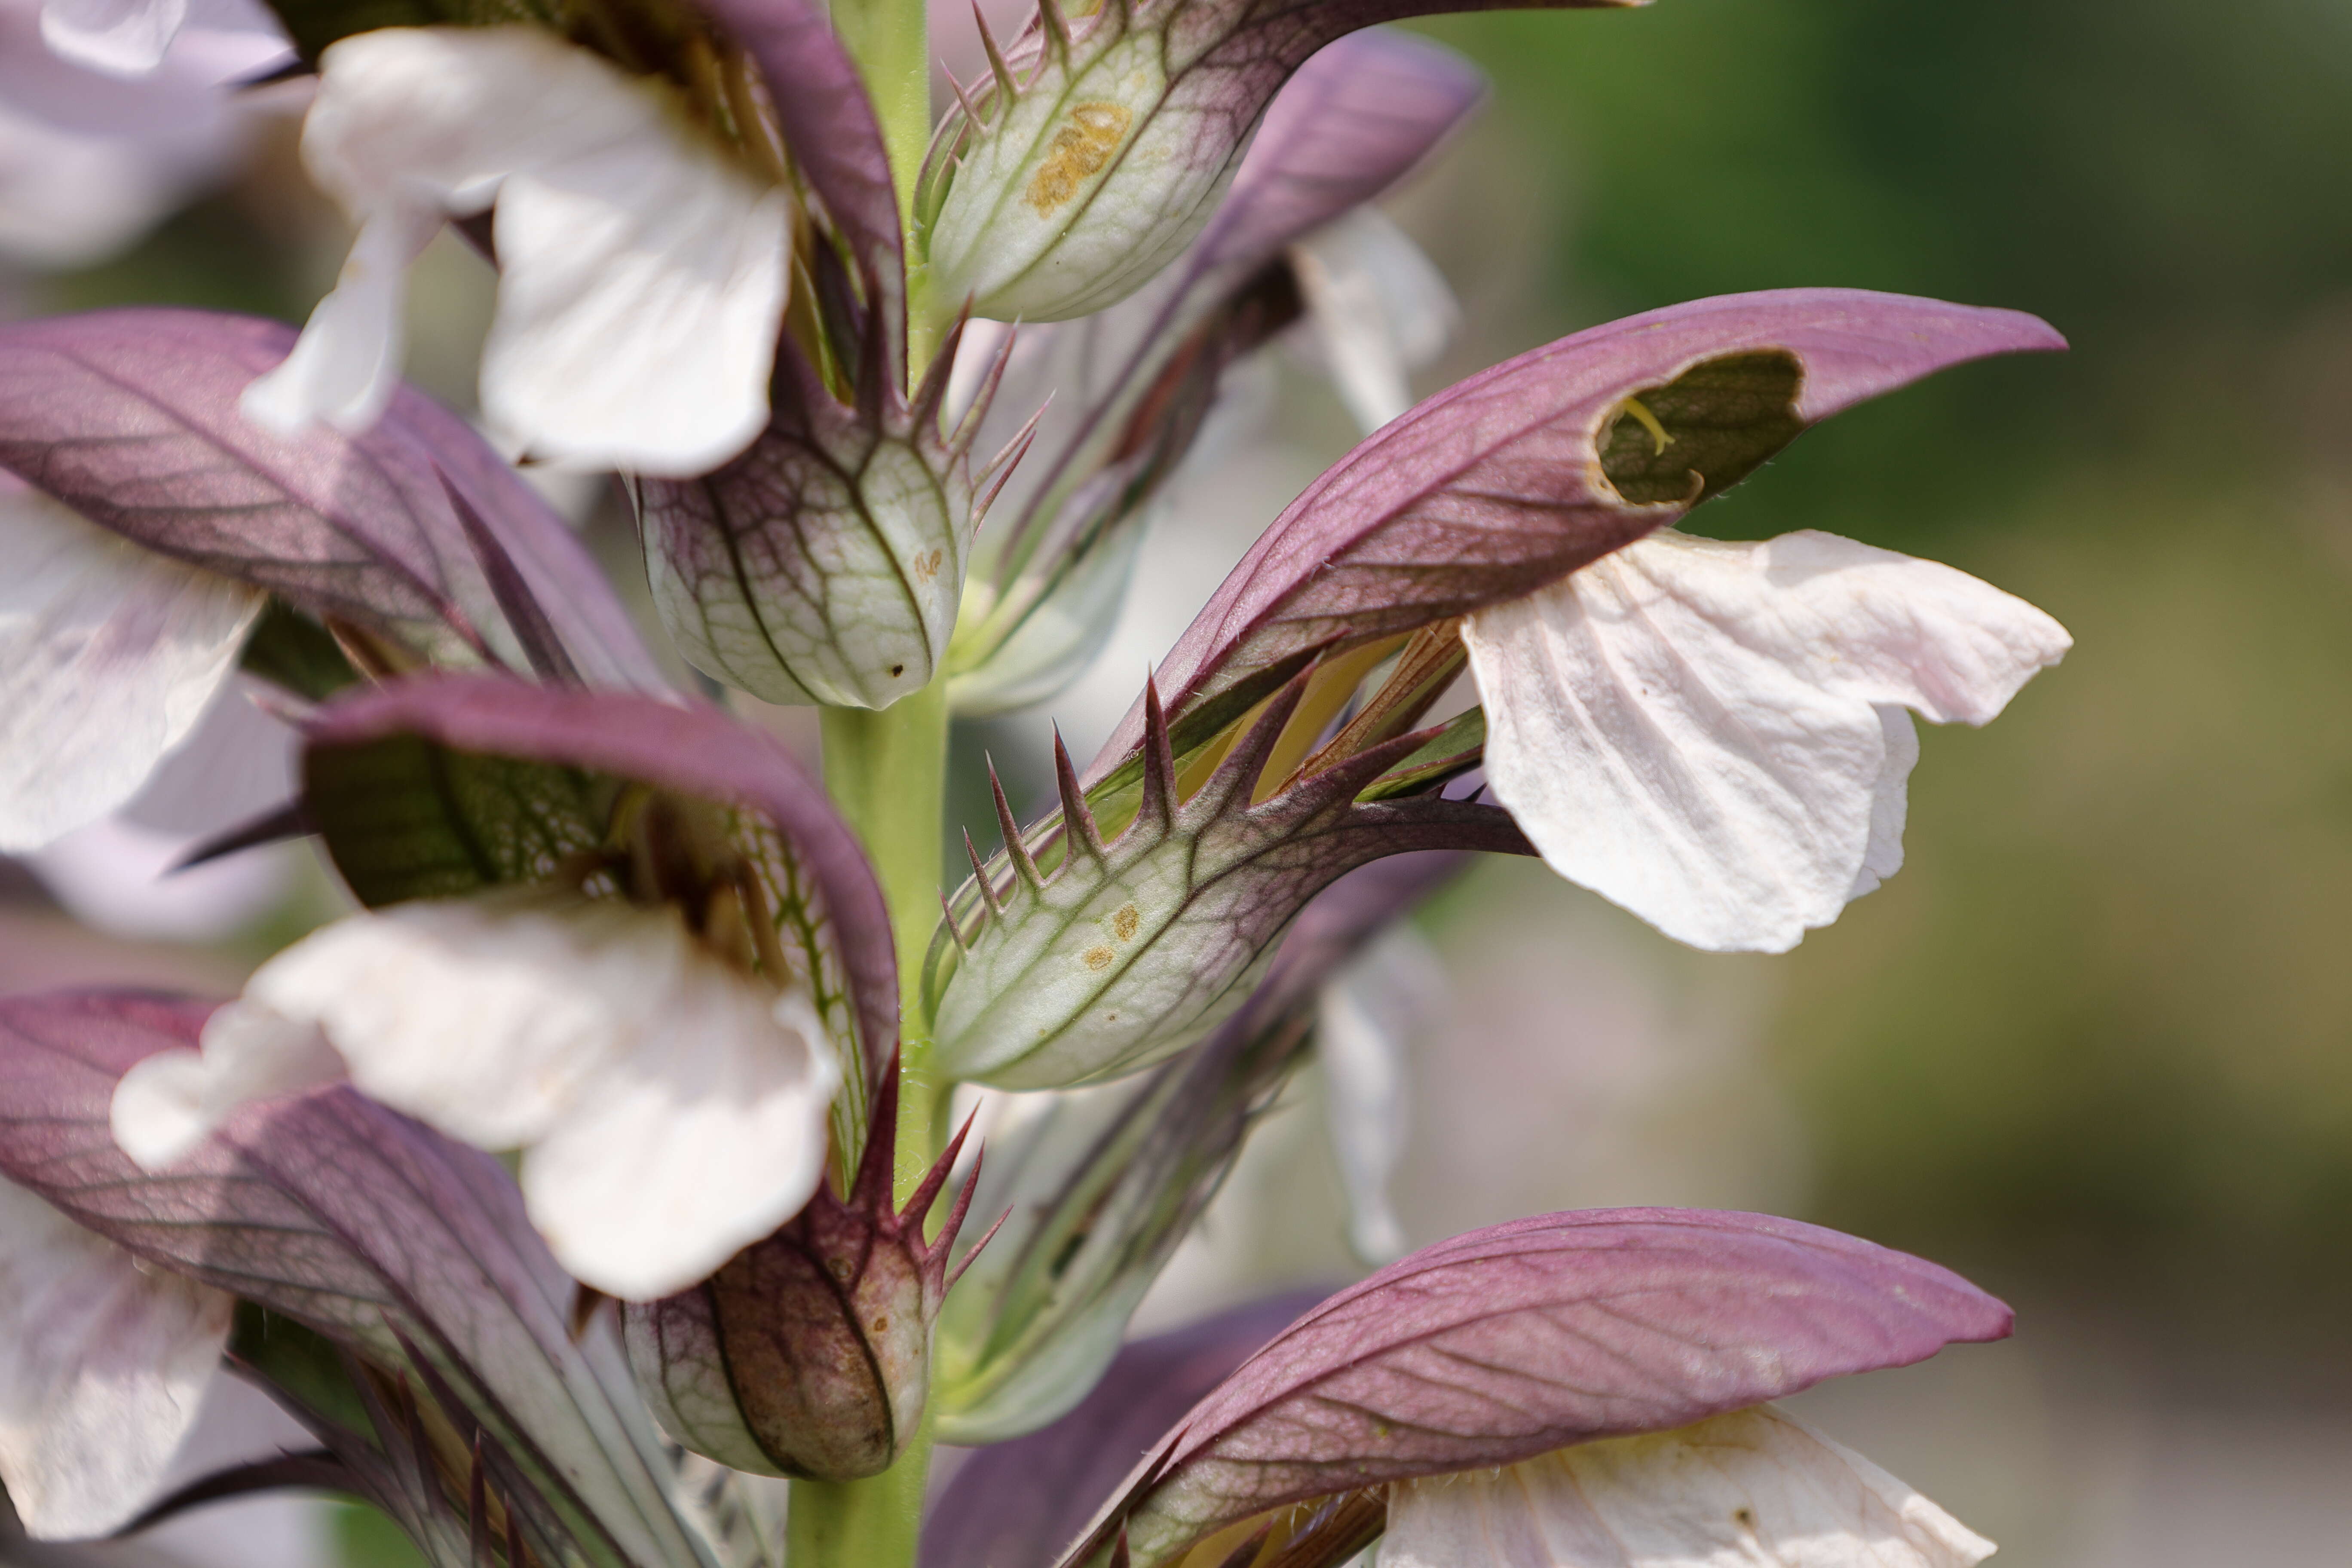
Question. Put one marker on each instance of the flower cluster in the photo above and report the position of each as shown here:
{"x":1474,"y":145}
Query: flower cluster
{"x":591,"y":1168}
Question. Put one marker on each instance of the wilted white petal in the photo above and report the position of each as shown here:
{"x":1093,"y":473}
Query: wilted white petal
{"x":708,"y":1136}
{"x":121,"y":37}
{"x":1696,"y":729}
{"x":1379,"y":308}
{"x":641,"y":274}
{"x":109,"y":653}
{"x":1754,"y":1487}
{"x":1368,"y":1019}
{"x":169,"y":1102}
{"x":102,"y":1365}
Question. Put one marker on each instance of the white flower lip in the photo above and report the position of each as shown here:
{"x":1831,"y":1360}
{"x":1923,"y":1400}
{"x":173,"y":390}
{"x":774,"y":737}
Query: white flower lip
{"x":1754,"y":1486}
{"x":103,"y":1365}
{"x":109,"y":655}
{"x":641,"y":274}
{"x":1713,"y":736}
{"x":669,"y":1112}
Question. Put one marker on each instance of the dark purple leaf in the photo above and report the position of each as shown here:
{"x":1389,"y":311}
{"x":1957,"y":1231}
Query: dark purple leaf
{"x":365,"y":1226}
{"x":1018,"y":1503}
{"x":1520,"y":474}
{"x":1513,"y":1340}
{"x":830,"y":129}
{"x":131,"y":418}
{"x":688,"y":748}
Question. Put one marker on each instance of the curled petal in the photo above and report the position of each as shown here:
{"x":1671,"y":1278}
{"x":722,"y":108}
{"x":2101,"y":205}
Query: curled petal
{"x":109,"y":655}
{"x":1712,"y":735}
{"x":102,"y":1365}
{"x":1753,"y":1485}
{"x":643,"y":275}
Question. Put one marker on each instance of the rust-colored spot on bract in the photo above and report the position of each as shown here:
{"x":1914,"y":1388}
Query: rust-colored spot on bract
{"x":1099,"y":957}
{"x":1078,"y":150}
{"x":1124,"y":923}
{"x":926,"y":567}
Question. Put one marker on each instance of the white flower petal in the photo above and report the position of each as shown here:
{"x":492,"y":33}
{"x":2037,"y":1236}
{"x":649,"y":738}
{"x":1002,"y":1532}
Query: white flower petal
{"x":171,"y":1101}
{"x":109,"y":653}
{"x":346,"y":364}
{"x":641,"y":274}
{"x":121,"y":37}
{"x":102,"y":1365}
{"x":1378,"y":307}
{"x":1889,"y":802}
{"x":1692,"y":728}
{"x":1754,"y":1487}
{"x":702,"y":1142}
{"x":637,"y":311}
{"x":485,"y":1017}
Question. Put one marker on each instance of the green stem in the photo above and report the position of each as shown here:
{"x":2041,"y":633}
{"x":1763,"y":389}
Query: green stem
{"x":887,"y":773}
{"x":890,"y":41}
{"x":872,"y":1523}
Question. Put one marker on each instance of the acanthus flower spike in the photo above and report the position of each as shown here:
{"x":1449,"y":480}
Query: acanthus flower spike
{"x":809,"y":1352}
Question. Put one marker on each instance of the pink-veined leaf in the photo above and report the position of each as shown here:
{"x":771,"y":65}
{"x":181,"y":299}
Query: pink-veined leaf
{"x":1520,"y":1338}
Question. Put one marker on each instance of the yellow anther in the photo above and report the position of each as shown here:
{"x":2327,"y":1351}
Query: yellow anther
{"x":1648,"y":421}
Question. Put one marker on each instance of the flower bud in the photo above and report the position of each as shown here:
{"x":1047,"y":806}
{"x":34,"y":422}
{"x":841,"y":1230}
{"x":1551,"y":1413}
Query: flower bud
{"x":808,"y":1354}
{"x":827,"y":562}
{"x":1132,"y":951}
{"x":1073,"y":188}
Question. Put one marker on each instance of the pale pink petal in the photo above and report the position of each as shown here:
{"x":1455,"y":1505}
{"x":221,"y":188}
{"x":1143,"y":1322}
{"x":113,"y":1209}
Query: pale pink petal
{"x":108,"y":654}
{"x":121,"y":37}
{"x":103,"y":1363}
